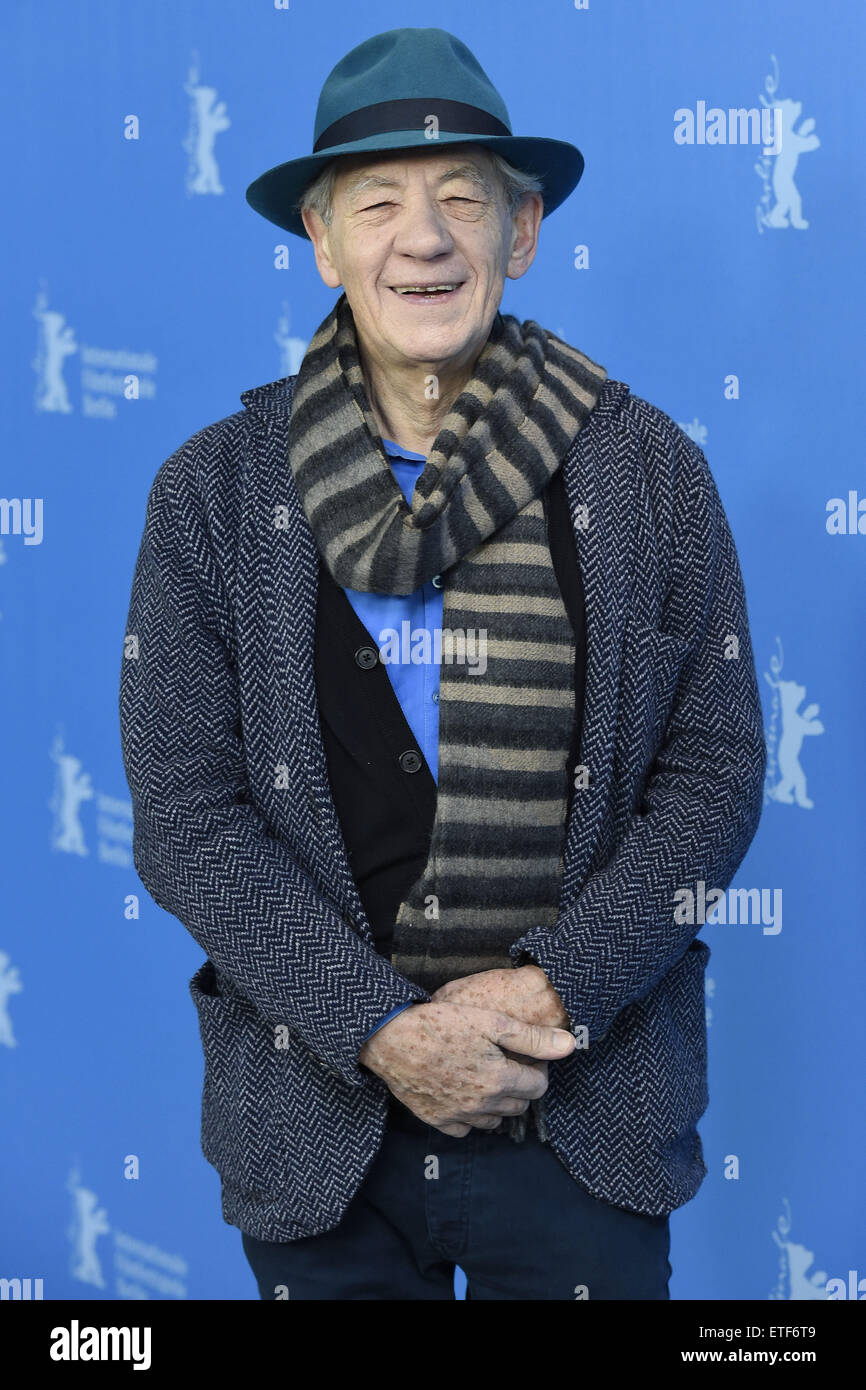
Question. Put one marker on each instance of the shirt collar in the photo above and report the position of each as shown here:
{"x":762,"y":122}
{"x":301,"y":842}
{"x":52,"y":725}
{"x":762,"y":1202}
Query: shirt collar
{"x":396,"y":451}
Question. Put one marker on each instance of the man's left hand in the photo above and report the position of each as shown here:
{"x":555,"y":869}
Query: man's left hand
{"x":524,"y":993}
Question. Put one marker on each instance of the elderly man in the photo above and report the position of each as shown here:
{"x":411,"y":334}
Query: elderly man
{"x":441,"y":692}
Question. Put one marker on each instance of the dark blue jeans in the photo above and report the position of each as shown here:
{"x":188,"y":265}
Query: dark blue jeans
{"x":510,"y":1215}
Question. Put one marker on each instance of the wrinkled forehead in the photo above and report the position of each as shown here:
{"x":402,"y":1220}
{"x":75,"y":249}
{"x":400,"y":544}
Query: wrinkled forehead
{"x":358,"y":171}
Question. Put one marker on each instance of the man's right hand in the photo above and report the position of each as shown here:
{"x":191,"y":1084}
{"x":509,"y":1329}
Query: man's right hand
{"x":457,"y":1067}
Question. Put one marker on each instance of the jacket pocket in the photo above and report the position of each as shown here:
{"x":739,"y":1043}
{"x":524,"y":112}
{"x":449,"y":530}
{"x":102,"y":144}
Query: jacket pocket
{"x":676,"y":1017}
{"x":241,"y":1117}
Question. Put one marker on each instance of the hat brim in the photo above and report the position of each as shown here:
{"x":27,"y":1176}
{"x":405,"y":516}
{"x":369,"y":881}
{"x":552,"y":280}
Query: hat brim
{"x":556,"y":163}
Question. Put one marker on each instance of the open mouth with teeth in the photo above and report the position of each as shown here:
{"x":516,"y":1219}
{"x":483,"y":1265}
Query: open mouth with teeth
{"x":428,"y":293}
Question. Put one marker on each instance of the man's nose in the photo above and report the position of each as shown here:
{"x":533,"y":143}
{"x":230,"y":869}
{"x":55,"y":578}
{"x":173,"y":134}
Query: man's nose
{"x":422,"y":229}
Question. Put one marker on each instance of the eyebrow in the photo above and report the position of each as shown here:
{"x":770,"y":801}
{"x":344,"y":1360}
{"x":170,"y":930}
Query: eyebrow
{"x":364,"y":182}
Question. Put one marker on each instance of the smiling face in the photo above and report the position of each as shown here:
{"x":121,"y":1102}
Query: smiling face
{"x":423,"y":218}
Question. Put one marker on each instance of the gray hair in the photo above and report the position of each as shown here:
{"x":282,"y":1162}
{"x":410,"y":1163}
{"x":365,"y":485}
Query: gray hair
{"x":513,"y":185}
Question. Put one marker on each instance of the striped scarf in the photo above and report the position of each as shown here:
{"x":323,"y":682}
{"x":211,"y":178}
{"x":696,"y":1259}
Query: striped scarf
{"x":477,"y":520}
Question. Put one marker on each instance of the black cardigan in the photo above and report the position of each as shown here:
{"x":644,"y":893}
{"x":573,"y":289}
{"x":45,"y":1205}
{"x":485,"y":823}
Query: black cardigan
{"x":386,"y":808}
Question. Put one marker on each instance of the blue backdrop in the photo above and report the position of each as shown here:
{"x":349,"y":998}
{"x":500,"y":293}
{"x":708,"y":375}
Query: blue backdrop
{"x":712,"y":264}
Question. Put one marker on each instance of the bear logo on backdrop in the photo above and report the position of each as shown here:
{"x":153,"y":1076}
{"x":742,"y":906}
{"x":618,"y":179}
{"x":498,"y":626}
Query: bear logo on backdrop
{"x":773,"y":127}
{"x":695,"y":431}
{"x":208,"y":118}
{"x":56,"y":343}
{"x":781,"y":204}
{"x":107,"y":374}
{"x":795,"y":1261}
{"x":789,"y":725}
{"x":72,"y":787}
{"x":140,"y":1269}
{"x":89,"y":1221}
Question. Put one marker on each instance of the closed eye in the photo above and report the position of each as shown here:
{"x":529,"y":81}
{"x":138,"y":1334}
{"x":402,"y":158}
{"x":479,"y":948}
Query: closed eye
{"x":455,"y":198}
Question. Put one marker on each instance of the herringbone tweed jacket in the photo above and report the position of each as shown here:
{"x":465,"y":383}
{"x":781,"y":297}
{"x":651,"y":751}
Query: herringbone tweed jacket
{"x":235,"y":831}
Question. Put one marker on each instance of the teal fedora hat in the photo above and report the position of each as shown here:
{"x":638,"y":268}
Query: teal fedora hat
{"x":388,"y":94}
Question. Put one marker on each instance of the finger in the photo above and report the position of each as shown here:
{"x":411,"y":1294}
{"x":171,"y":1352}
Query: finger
{"x":532,"y":1040}
{"x":507,"y":1105}
{"x":525,"y":1082}
{"x":486,"y":1121}
{"x":537,"y":1064}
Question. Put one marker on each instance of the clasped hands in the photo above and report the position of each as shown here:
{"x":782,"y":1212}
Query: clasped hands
{"x":478,"y":1051}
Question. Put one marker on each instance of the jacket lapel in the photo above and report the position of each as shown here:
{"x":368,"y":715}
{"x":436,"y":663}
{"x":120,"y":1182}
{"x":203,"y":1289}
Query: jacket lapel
{"x":598,"y":498}
{"x":281,"y":581}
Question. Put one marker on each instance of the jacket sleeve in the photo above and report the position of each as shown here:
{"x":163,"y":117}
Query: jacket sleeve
{"x":201,"y":849}
{"x":703,"y":797}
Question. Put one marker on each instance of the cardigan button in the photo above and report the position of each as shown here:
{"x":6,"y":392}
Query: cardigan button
{"x":437,"y":581}
{"x":410,"y":761}
{"x":366,"y":657}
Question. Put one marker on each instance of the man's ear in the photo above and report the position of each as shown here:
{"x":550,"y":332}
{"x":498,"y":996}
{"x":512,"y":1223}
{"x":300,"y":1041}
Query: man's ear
{"x":318,"y":234}
{"x":524,"y":236}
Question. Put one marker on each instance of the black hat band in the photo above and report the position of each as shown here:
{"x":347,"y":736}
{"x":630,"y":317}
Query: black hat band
{"x":407,"y":114}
